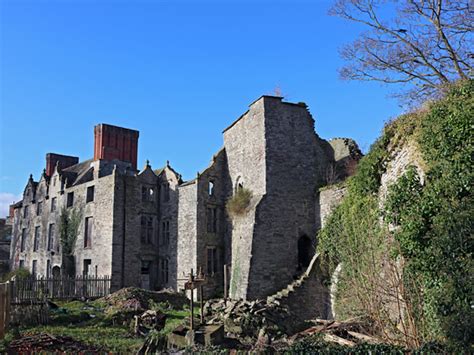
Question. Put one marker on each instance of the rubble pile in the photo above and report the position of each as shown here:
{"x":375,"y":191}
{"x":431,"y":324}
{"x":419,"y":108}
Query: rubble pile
{"x":149,"y":320}
{"x":137,"y":299}
{"x":38,"y":343}
{"x":251,"y":319}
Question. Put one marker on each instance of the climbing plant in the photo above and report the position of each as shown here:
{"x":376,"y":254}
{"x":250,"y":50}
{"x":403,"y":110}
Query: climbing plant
{"x":418,"y":246}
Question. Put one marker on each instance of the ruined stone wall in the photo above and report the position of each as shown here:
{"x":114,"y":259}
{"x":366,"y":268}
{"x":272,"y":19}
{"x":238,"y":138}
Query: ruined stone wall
{"x":244,"y":143}
{"x":213,"y":197}
{"x":329,"y":198}
{"x":295,"y":163}
{"x":187,"y":231}
{"x":168,"y":211}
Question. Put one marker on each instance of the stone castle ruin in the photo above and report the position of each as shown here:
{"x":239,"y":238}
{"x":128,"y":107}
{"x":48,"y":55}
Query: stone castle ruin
{"x":149,"y":228}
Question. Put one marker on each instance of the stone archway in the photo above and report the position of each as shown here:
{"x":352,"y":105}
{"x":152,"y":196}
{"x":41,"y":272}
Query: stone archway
{"x":305,"y":252}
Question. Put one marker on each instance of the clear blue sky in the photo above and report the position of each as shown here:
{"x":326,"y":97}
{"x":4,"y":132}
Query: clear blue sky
{"x":177,"y":71}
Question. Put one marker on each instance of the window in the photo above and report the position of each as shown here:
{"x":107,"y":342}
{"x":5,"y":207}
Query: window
{"x":211,"y":220}
{"x":39,"y":208}
{"x":165,"y":229}
{"x":211,"y":188}
{"x":146,"y":230}
{"x":211,"y":260}
{"x":25,"y":212}
{"x":70,"y":199}
{"x":50,"y":237}
{"x":53,"y":204}
{"x":90,"y":194}
{"x":48,"y":268}
{"x":88,"y":232}
{"x":166,"y":192}
{"x":22,"y":264}
{"x":37,"y":238}
{"x":164,"y":271}
{"x":148,"y":194}
{"x":23,"y":239}
{"x":33,"y":267}
{"x":86,"y":266}
{"x":145,"y":269}
{"x":54,"y":181}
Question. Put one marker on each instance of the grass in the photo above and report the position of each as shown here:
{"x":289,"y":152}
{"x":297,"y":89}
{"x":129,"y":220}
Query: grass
{"x":87,"y":323}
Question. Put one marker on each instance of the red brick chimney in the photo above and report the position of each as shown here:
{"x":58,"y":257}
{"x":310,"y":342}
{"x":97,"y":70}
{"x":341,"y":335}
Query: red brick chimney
{"x":112,"y":142}
{"x":63,"y":161}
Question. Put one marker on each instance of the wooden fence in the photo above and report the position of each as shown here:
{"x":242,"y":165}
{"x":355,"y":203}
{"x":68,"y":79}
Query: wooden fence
{"x":24,"y":300}
{"x":38,"y":289}
{"x":4,"y":308}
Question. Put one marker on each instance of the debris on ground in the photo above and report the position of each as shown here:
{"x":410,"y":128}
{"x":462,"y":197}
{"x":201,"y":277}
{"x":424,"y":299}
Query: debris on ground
{"x":245,"y":319}
{"x":149,"y":320}
{"x":132,"y":298}
{"x":348,"y":333}
{"x":32,"y":344}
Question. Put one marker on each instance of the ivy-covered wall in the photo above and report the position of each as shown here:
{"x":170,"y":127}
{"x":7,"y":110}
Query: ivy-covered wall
{"x":407,"y":258}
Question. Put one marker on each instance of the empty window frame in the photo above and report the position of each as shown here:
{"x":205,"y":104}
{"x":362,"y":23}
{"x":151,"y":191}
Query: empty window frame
{"x":165,"y":232}
{"x":212,"y":266}
{"x":148,"y":194}
{"x":70,"y":199}
{"x":88,"y":230}
{"x":39,"y":208}
{"x":36,"y":238}
{"x":50,"y":244}
{"x":146,"y":229}
{"x":211,"y":219}
{"x":210,"y":188}
{"x":48,"y":268}
{"x":164,"y":271}
{"x":90,"y":194}
{"x":23,"y":239}
{"x":86,"y":267}
{"x":25,"y":212}
{"x":34,"y":266}
{"x":53,"y":204}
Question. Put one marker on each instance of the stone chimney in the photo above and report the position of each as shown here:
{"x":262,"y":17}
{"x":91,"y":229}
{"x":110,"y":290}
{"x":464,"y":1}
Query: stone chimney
{"x":112,"y":142}
{"x":63,"y":162}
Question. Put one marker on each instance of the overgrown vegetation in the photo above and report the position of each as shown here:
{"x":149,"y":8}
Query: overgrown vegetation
{"x":408,"y":265}
{"x":237,"y":204}
{"x":20,"y":273}
{"x":90,"y":323}
{"x":69,"y":222}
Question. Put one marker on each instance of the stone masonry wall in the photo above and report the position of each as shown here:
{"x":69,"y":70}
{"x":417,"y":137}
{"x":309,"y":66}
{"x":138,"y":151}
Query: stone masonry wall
{"x":244,"y":143}
{"x":295,"y":163}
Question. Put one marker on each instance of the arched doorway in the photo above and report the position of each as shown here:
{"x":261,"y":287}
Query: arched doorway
{"x":305,"y":252}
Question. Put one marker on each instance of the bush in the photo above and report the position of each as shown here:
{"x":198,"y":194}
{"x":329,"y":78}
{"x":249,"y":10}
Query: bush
{"x":237,"y":204}
{"x":20,"y":274}
{"x":432,"y":240}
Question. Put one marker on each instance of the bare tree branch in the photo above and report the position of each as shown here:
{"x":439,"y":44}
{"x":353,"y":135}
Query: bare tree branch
{"x":423,"y":44}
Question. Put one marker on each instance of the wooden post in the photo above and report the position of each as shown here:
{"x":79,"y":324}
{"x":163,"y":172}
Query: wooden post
{"x":201,"y":291}
{"x":225,"y":284}
{"x":191,"y":278}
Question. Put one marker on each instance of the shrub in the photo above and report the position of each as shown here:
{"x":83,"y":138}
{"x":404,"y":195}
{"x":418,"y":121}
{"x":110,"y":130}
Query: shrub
{"x":237,"y":204}
{"x":20,"y":273}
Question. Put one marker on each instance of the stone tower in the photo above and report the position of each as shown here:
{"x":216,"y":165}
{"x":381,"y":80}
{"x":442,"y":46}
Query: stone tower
{"x":274,"y":151}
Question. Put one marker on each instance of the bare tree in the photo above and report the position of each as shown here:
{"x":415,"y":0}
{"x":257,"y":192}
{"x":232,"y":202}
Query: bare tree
{"x":422,"y":44}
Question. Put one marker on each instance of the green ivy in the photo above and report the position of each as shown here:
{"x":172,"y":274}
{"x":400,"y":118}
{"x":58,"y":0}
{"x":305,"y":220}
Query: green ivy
{"x":432,"y":219}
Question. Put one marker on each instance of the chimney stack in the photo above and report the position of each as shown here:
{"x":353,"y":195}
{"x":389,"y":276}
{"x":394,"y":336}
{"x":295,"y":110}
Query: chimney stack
{"x":112,"y":142}
{"x":63,"y":161}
